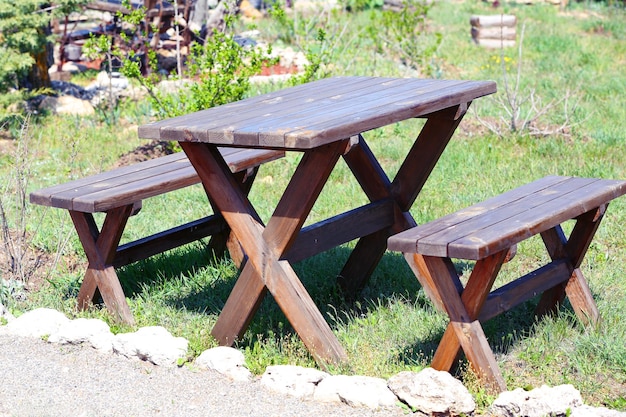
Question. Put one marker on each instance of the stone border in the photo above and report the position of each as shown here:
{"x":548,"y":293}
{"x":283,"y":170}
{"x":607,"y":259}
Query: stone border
{"x":429,"y":392}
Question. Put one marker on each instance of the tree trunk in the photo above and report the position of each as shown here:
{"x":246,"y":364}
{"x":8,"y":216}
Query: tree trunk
{"x":38,"y":76}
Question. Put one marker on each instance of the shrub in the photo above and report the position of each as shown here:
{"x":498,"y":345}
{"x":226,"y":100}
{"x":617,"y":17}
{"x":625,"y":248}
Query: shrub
{"x":24,"y":40}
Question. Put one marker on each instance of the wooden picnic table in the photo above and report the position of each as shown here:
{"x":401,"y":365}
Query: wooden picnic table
{"x":325,"y":120}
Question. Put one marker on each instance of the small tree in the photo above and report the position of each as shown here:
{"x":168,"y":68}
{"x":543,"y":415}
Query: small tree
{"x":218,"y":69}
{"x":25,"y":40}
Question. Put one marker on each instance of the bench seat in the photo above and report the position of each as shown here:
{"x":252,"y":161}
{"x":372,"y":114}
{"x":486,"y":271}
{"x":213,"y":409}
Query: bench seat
{"x":486,"y":232}
{"x":119,"y":193}
{"x":133,"y":183}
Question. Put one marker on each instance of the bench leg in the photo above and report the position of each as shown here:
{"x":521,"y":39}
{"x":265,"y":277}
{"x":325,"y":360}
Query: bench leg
{"x":464,"y":330}
{"x":419,"y":268}
{"x":100,"y":249}
{"x":574,"y":250}
{"x":219,"y":242}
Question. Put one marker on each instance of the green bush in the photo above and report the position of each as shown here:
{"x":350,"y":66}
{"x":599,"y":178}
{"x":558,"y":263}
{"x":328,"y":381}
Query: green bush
{"x":24,"y":36}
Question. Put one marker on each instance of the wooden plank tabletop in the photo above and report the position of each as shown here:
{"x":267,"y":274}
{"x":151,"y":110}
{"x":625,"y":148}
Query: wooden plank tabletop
{"x":317,"y":113}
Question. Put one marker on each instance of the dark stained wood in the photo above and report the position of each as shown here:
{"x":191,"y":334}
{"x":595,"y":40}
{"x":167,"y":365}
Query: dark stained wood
{"x":136,"y":182}
{"x":324,"y":119}
{"x":100,"y":252}
{"x":341,"y":229}
{"x":260,"y":127}
{"x":524,"y":288}
{"x":407,"y":241}
{"x":119,"y":193}
{"x":371,"y":247}
{"x":500,"y":222}
{"x":404,"y":189}
{"x":474,"y":233}
{"x":264,"y":247}
{"x":572,"y":249}
{"x":580,"y":296}
{"x":169,"y":239}
{"x":467,"y":330}
{"x":473,"y":297}
{"x":296,"y":118}
{"x":224,"y":239}
{"x":217,"y":125}
{"x":554,"y":240}
{"x":425,"y":153}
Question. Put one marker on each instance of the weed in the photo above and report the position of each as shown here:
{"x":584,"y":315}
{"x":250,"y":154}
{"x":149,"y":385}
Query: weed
{"x":406,"y":34}
{"x":524,"y":109}
{"x":13,"y":214}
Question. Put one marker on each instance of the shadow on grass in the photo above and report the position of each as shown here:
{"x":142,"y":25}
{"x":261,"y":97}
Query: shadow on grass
{"x":191,"y":278}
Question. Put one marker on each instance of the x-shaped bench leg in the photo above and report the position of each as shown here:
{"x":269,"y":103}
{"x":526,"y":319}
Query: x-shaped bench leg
{"x":574,"y":250}
{"x":440,"y":280}
{"x":264,"y":270}
{"x":100,"y":248}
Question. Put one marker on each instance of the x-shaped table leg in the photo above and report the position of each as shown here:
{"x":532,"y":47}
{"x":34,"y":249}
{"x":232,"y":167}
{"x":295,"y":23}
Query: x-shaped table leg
{"x":404,"y":189}
{"x":574,"y":250}
{"x":100,"y":248}
{"x":264,"y":270}
{"x":221,"y":241}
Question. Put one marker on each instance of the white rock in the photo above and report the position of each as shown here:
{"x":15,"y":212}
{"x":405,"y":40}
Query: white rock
{"x":154,"y":344}
{"x":6,"y":314}
{"x":432,"y":392}
{"x":225,"y":360}
{"x":67,"y":105}
{"x":103,"y":80}
{"x":357,"y":391}
{"x":587,"y":411}
{"x":538,"y":402}
{"x":293,"y":380}
{"x":37,"y":323}
{"x":92,"y":331}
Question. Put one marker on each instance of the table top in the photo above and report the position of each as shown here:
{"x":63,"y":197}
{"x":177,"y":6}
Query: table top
{"x":317,"y":113}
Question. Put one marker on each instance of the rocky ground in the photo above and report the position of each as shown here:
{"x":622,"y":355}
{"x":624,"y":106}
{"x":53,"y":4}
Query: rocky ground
{"x":53,"y":366}
{"x":44,"y":379}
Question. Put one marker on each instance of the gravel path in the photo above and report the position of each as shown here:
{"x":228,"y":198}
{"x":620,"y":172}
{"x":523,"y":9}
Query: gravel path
{"x":43,"y":379}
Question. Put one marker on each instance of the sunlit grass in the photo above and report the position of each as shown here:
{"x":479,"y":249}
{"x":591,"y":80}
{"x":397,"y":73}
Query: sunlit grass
{"x":393,"y":326}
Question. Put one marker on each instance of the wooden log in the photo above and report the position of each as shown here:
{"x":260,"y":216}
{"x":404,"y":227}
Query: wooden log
{"x":494,"y":20}
{"x":501,"y":32}
{"x":495,"y":43}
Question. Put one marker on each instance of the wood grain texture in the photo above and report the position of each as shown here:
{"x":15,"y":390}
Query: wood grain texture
{"x":133,"y":183}
{"x":468,"y":331}
{"x":500,"y":222}
{"x":474,"y":233}
{"x":100,"y":252}
{"x":119,"y":193}
{"x":317,"y":113}
{"x":265,"y":245}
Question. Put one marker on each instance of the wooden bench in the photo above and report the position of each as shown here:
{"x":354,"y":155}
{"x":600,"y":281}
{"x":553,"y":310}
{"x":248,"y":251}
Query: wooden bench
{"x":119,"y":193}
{"x":485,"y":232}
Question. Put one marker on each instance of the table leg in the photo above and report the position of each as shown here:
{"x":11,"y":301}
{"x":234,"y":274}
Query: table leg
{"x":100,"y":248}
{"x":464,"y":329}
{"x":574,"y":249}
{"x":265,"y":246}
{"x":407,"y":184}
{"x":219,"y":242}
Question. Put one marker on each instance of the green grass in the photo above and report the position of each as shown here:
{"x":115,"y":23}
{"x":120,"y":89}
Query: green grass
{"x":392,"y":327}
